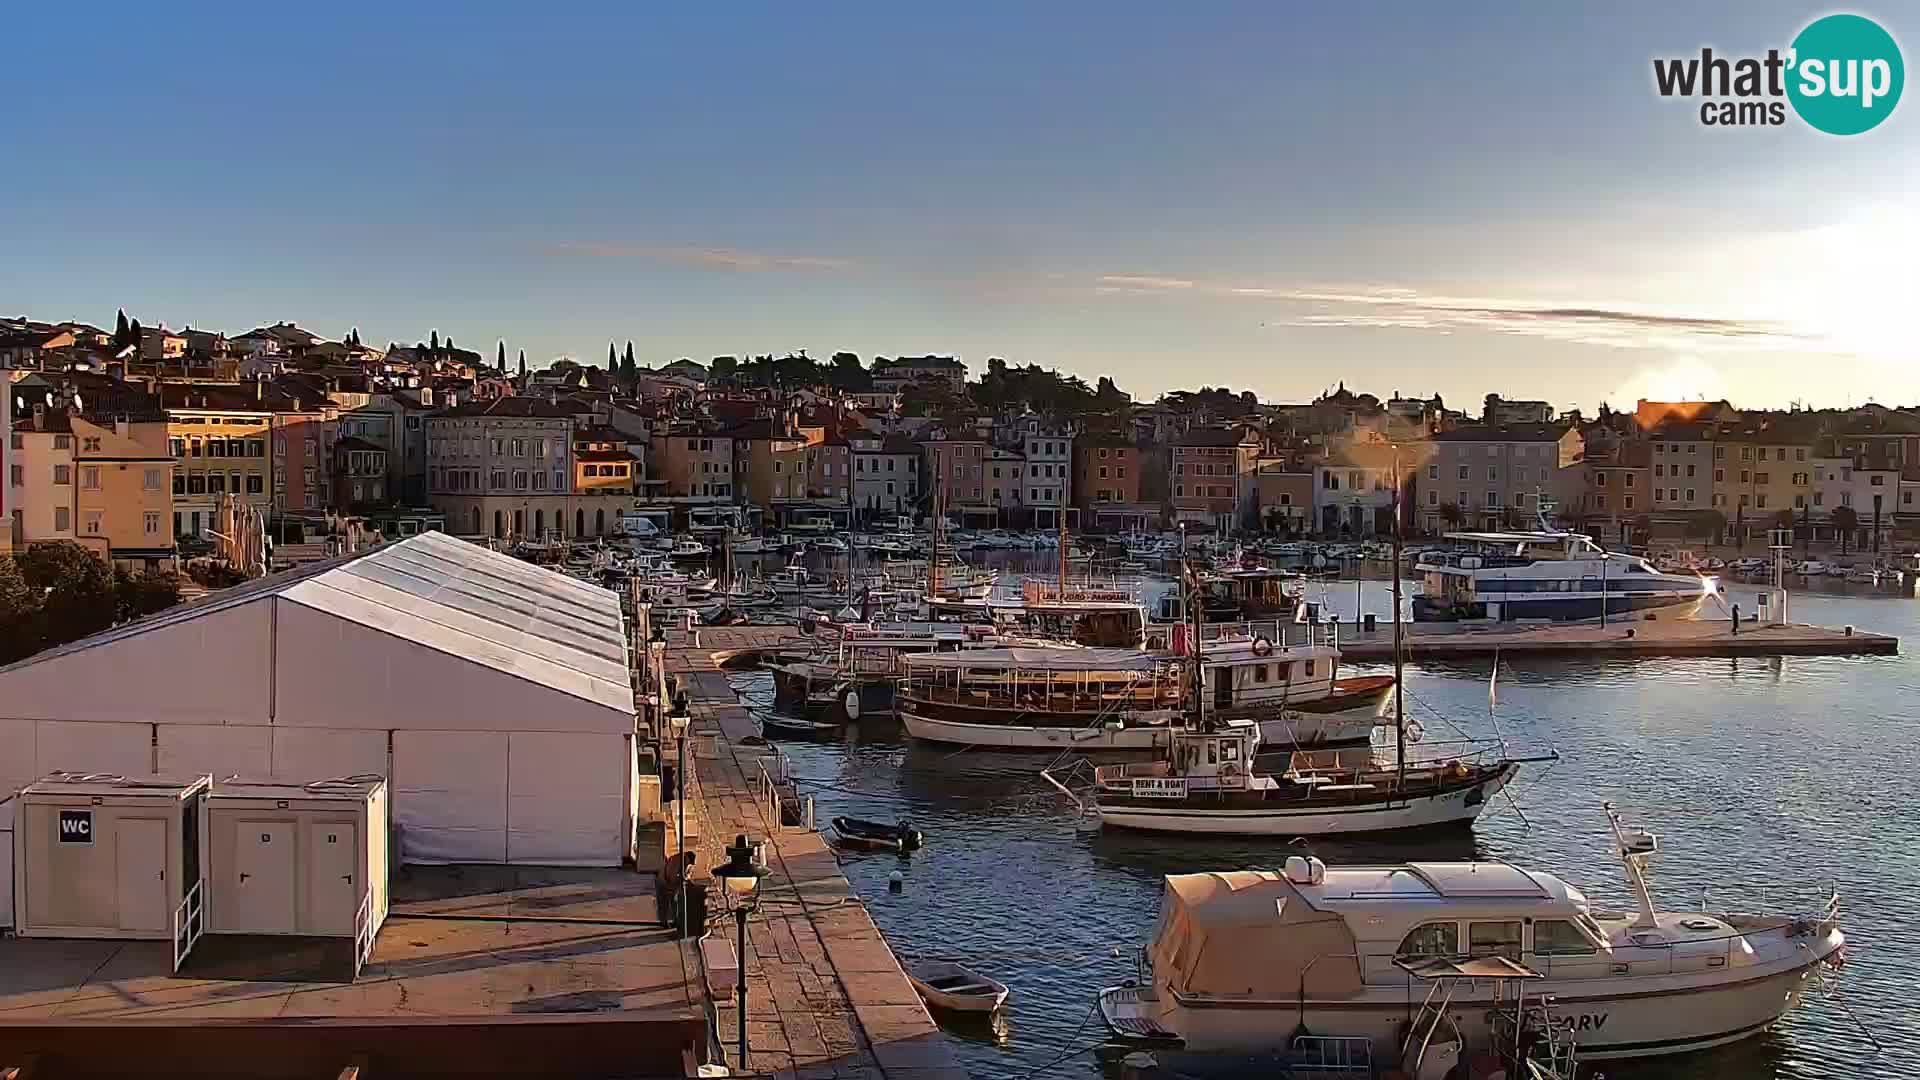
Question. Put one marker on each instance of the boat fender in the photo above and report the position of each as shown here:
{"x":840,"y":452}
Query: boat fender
{"x":1460,"y":770}
{"x":1262,"y":647}
{"x":853,"y":704}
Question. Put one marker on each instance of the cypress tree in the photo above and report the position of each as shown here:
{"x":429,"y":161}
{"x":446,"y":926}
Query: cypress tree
{"x":133,"y":334}
{"x":120,"y":328}
{"x":523,"y":363}
{"x":500,"y":358}
{"x":613,"y":365}
{"x":433,"y":342}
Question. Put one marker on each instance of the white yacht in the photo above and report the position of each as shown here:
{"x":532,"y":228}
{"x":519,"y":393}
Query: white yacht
{"x":1240,"y":959}
{"x":1544,"y":575}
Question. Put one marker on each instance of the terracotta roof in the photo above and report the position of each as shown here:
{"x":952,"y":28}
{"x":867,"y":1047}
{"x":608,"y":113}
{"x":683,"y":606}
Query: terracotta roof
{"x":603,"y":455}
{"x":1210,"y":436}
{"x":1502,"y":433}
{"x":533,"y":407}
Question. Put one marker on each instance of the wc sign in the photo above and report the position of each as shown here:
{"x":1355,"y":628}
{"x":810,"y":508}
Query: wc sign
{"x":76,"y":826}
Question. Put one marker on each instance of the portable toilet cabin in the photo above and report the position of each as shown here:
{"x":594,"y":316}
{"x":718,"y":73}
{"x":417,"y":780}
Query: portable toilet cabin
{"x":304,"y":860}
{"x":105,"y":856}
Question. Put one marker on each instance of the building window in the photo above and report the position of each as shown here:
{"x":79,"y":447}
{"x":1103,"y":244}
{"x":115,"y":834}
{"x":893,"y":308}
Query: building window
{"x":62,"y":521}
{"x":63,"y":442}
{"x":256,"y":484}
{"x":93,"y":522}
{"x":153,"y":522}
{"x":63,"y":474}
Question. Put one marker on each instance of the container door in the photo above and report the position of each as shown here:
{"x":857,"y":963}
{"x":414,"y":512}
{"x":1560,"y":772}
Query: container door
{"x":140,"y":859}
{"x":263,"y":869}
{"x":1223,"y":687}
{"x":333,"y":878}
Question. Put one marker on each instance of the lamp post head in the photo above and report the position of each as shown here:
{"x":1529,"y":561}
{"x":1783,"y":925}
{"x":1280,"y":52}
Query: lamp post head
{"x":743,"y":870}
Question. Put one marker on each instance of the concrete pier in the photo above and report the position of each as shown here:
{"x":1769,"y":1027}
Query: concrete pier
{"x":1658,"y":637}
{"x":825,"y":995}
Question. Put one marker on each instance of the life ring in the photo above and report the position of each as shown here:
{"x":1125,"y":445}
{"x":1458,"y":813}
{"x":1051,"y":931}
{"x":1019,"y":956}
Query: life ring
{"x":1262,"y":647}
{"x":1415,"y":732}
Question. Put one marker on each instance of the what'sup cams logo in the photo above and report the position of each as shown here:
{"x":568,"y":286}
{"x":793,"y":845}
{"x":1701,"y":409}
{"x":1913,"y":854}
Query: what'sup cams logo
{"x":1842,"y":75}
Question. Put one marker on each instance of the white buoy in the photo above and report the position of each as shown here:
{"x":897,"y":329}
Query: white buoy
{"x":896,"y":881}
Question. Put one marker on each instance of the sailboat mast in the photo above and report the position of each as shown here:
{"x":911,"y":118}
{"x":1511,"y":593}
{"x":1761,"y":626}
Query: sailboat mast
{"x":1399,"y":653}
{"x":1190,"y":583}
{"x":1060,"y":518}
{"x":939,"y":524}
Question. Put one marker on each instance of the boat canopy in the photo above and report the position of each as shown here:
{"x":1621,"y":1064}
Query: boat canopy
{"x":1251,"y":933}
{"x":1041,"y":659}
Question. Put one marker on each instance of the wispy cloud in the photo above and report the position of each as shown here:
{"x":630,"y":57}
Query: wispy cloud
{"x":705,"y":258}
{"x":1389,"y":307}
{"x":1141,"y":283}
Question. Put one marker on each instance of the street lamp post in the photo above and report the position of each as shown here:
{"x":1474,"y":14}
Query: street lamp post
{"x":1353,"y":564}
{"x":742,"y":875}
{"x":679,"y":720}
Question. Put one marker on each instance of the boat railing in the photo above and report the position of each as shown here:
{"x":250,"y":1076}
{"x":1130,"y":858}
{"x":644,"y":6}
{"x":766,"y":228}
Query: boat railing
{"x":1282,"y":633}
{"x":1052,"y":696}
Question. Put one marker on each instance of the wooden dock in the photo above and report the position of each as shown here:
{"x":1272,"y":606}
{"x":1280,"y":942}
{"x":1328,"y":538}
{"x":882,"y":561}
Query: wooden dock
{"x":480,"y":971}
{"x":825,"y":994}
{"x":1658,"y":637}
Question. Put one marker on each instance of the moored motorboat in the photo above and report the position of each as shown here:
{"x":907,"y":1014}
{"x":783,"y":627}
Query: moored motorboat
{"x":1240,"y":958}
{"x":943,"y":984}
{"x":875,"y":835}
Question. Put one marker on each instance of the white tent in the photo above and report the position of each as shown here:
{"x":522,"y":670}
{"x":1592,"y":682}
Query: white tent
{"x":494,"y":695}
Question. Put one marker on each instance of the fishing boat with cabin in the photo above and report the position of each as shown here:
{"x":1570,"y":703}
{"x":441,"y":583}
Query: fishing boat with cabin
{"x":1241,"y":959}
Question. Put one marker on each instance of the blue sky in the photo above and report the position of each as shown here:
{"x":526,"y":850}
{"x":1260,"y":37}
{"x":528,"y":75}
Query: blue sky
{"x":1401,"y":196}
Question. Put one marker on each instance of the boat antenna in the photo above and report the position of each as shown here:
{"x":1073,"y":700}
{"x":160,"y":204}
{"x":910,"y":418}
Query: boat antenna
{"x":1399,"y":651}
{"x":1634,"y":850}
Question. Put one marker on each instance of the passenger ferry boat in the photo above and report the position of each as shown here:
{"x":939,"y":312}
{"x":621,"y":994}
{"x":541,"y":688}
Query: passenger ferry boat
{"x":1240,"y":959}
{"x":1544,"y":575}
{"x":1278,"y":676}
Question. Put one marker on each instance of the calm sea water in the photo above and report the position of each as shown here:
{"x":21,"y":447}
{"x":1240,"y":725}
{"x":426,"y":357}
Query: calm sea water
{"x":1769,"y":781}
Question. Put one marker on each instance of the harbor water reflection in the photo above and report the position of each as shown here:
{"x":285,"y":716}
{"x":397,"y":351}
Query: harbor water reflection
{"x":1770,"y":780}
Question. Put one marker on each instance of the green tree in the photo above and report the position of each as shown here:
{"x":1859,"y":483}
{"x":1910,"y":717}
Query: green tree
{"x":1845,"y":520}
{"x":19,"y":613}
{"x":613,"y":360}
{"x":120,"y":328}
{"x":76,"y":590}
{"x":849,"y":374}
{"x":523,"y":363}
{"x":133,"y":336}
{"x":724,"y":368}
{"x":143,"y":594}
{"x":433,"y":342}
{"x":500,"y":357}
{"x":629,"y":370}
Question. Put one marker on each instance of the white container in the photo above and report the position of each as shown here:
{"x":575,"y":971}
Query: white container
{"x":98,"y":856}
{"x":297,"y":859}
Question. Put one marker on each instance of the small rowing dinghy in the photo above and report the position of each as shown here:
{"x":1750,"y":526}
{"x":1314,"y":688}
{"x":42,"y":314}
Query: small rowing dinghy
{"x":853,"y":832}
{"x":773,"y":722}
{"x":944,"y":984}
